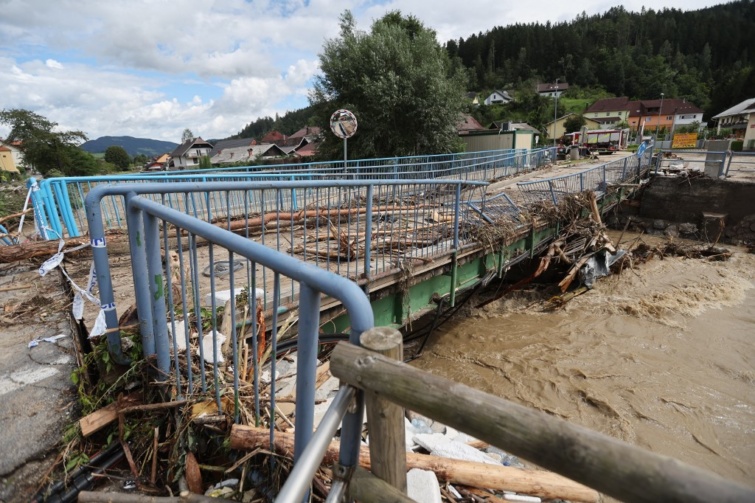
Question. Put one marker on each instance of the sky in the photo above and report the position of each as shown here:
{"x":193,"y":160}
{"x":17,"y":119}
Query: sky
{"x":152,"y":68}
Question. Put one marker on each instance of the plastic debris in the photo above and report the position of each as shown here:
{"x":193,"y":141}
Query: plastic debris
{"x":53,"y":339}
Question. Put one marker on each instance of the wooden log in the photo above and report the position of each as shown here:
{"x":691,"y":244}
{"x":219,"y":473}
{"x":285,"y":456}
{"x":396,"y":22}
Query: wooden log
{"x":14,"y":215}
{"x":102,"y":417}
{"x":102,"y":497}
{"x":485,"y":476}
{"x":367,"y":488}
{"x":617,"y":468}
{"x":385,"y":420}
{"x":31,"y":249}
{"x":594,"y":208}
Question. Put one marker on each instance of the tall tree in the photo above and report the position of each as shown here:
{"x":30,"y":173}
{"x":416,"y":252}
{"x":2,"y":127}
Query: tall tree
{"x":118,"y":156}
{"x":46,"y":149}
{"x":400,"y":84}
{"x":187,"y":135}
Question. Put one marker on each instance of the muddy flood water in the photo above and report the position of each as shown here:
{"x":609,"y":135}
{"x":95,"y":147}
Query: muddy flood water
{"x":662,"y":356}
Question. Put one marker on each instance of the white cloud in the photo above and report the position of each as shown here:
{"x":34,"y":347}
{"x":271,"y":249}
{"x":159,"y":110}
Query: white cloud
{"x":51,"y":63}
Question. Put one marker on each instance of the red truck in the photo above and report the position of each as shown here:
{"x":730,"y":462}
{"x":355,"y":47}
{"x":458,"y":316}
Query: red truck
{"x":604,"y":141}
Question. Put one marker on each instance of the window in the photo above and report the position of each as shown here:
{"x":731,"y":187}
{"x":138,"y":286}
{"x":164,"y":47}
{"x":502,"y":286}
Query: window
{"x":669,"y":117}
{"x":608,"y":113}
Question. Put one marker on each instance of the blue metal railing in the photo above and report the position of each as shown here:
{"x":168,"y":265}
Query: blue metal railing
{"x":357,"y":229}
{"x":61,"y":200}
{"x":596,"y":179}
{"x":146,"y":218}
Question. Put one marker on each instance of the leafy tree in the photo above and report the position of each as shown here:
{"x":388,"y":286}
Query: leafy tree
{"x":187,"y":135}
{"x":398,"y":82}
{"x":574,"y":123}
{"x":204,"y":162}
{"x":140,"y":159}
{"x":118,"y":156}
{"x":46,"y":149}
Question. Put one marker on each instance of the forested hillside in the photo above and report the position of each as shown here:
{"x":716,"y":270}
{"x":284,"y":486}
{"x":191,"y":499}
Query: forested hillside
{"x":287,"y":124}
{"x":706,"y":56}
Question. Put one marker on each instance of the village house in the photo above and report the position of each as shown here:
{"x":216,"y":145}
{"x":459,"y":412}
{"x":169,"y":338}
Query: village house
{"x":188,"y":154}
{"x":644,"y":115}
{"x":741,"y":120}
{"x":552,"y":90}
{"x":498,"y":97}
{"x":609,"y":112}
{"x":559,"y":129}
{"x":158,"y":163}
{"x":247,"y":154}
{"x":7,"y":163}
{"x":11,"y":158}
{"x":466,"y":124}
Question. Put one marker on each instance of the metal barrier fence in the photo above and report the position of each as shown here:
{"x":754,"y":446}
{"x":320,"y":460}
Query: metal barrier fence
{"x":356,"y":229}
{"x":596,"y":179}
{"x":668,"y":161}
{"x":167,"y":310}
{"x":61,"y":200}
{"x":745,"y":163}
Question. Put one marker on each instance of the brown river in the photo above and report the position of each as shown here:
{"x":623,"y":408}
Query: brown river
{"x":661,"y":356}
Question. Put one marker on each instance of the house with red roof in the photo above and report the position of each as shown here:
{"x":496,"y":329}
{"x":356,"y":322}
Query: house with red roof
{"x":644,"y":115}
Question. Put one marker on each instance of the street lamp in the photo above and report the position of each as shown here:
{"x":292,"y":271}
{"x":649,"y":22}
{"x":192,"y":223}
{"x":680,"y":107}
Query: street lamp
{"x":555,"y":114}
{"x":659,"y":118}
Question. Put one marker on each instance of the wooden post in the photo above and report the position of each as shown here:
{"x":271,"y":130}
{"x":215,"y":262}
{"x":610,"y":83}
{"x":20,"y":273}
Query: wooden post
{"x":385,"y":419}
{"x":367,"y":488}
{"x":621,"y":470}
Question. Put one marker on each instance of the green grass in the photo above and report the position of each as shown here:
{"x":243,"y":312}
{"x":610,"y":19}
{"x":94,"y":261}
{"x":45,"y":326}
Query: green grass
{"x":574,"y":105}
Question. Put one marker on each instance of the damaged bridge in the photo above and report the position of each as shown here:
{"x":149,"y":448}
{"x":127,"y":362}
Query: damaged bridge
{"x":409,"y":242}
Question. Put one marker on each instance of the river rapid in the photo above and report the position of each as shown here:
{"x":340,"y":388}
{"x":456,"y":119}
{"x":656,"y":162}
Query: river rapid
{"x":661,"y":356}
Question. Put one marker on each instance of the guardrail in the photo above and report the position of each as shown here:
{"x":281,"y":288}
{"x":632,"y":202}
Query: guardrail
{"x":153,"y":293}
{"x":596,"y":179}
{"x":61,"y":200}
{"x":746,"y":163}
{"x":356,"y":229}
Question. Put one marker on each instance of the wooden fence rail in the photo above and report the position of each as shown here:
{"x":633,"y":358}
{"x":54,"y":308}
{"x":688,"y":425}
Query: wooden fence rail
{"x":611,"y":466}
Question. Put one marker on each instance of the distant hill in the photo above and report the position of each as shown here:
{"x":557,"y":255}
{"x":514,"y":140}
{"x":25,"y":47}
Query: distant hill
{"x":134,"y":146}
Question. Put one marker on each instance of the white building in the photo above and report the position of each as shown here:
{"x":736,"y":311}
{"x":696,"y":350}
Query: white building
{"x":498,"y":97}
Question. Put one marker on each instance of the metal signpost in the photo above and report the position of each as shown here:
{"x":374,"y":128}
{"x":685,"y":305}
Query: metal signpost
{"x":343,"y":124}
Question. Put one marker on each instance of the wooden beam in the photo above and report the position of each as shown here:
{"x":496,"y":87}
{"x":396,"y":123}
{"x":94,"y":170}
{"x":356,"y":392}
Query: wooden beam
{"x":616,"y":468}
{"x":504,"y":478}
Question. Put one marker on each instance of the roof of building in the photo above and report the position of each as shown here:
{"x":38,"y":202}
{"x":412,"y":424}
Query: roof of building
{"x":247,"y":153}
{"x":554,"y":86}
{"x":512,"y":126}
{"x":467,"y":123}
{"x":505,"y":94}
{"x":737,"y":109}
{"x":272,"y":137}
{"x":185,"y":146}
{"x":237,"y":142}
{"x":609,"y":105}
{"x":306,"y":131}
{"x":307,"y":150}
{"x":638,"y":108}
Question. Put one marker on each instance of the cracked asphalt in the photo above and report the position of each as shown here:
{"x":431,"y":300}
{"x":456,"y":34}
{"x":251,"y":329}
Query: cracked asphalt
{"x":37,"y":398}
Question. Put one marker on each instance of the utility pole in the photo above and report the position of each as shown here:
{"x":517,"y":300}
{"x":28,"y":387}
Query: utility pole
{"x":555,"y":114}
{"x":658,"y":127}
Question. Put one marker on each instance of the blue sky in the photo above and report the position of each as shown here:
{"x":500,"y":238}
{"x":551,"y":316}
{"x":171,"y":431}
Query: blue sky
{"x":150,"y":68}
